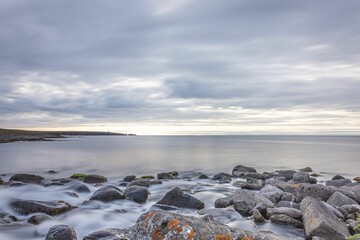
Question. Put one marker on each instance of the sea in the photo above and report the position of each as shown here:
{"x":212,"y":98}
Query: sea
{"x":119,"y":156}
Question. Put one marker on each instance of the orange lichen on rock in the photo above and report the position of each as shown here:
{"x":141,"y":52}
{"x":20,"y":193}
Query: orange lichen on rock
{"x":157,"y":234}
{"x":191,"y":235}
{"x":246,"y":238}
{"x":222,"y":237}
{"x":173,"y":223}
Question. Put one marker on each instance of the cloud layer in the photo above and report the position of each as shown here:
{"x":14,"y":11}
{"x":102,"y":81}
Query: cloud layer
{"x":180,"y":66}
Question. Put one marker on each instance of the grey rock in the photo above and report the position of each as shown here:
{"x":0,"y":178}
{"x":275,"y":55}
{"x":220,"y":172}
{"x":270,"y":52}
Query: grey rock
{"x":286,"y":220}
{"x":95,"y":179}
{"x":137,"y":193}
{"x":77,"y":187}
{"x":337,"y":177}
{"x":49,"y":208}
{"x":301,"y":177}
{"x":338,"y":182}
{"x":291,"y":212}
{"x":352,"y":209}
{"x":257,"y":216}
{"x":250,"y":175}
{"x":245,"y":200}
{"x":320,"y":221}
{"x":129,"y":178}
{"x":38,"y":218}
{"x":288,"y":204}
{"x":222,"y":177}
{"x":250,"y":186}
{"x":284,"y":186}
{"x":165,"y":176}
{"x":140,"y":182}
{"x":288,"y":197}
{"x":287,"y":174}
{"x":242,"y":168}
{"x":6,"y":218}
{"x":110,"y":234}
{"x":203,"y":176}
{"x":306,"y":169}
{"x":315,"y":191}
{"x":107,"y":193}
{"x":61,"y":232}
{"x":272,"y":193}
{"x":222,"y":203}
{"x":312,"y":180}
{"x":27,"y":178}
{"x":334,"y":210}
{"x":338,"y":199}
{"x":176,"y":197}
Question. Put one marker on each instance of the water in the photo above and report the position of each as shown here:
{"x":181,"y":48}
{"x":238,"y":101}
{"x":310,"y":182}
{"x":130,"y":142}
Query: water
{"x":116,"y":157}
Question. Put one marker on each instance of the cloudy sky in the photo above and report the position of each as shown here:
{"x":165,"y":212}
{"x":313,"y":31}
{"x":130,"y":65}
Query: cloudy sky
{"x":181,"y":66}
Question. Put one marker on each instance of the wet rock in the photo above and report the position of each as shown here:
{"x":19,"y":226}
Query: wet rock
{"x":1,"y":182}
{"x":166,"y":225}
{"x":129,"y":178}
{"x":203,"y":176}
{"x":352,"y":209}
{"x":27,"y":178}
{"x":222,"y":203}
{"x":272,"y":193}
{"x":79,"y":176}
{"x":319,"y":221}
{"x":77,"y":187}
{"x":254,"y":185}
{"x":165,"y":175}
{"x":176,"y":197}
{"x":38,"y":218}
{"x":222,"y":177}
{"x":16,"y":184}
{"x":107,"y":193}
{"x":242,"y":168}
{"x":287,"y":174}
{"x":110,"y":234}
{"x":284,"y":186}
{"x":338,"y":182}
{"x":50,"y":208}
{"x":61,"y":232}
{"x":338,"y":199}
{"x":6,"y":218}
{"x":288,"y":204}
{"x":356,"y":179}
{"x":337,"y":177}
{"x":52,"y":172}
{"x":257,"y":216}
{"x":286,"y":220}
{"x":147,"y":177}
{"x":301,"y":177}
{"x":291,"y":212}
{"x":245,"y":200}
{"x":306,"y":169}
{"x":137,"y":194}
{"x":72,"y":194}
{"x":250,"y":175}
{"x":314,"y":191}
{"x":140,"y":182}
{"x":334,"y":210}
{"x":312,"y":180}
{"x":95,"y":179}
{"x":288,"y":197}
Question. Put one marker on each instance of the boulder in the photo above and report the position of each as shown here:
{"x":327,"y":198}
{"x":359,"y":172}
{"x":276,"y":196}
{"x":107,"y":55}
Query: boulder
{"x":140,"y":182}
{"x":284,"y":186}
{"x":222,"y":177}
{"x":6,"y":218}
{"x":306,"y":169}
{"x":338,"y":199}
{"x":291,"y":212}
{"x":242,"y":168}
{"x":38,"y":218}
{"x":337,"y":177}
{"x":356,"y":179}
{"x":255,"y":185}
{"x":288,"y":197}
{"x":338,"y":182}
{"x":288,"y":204}
{"x":222,"y":203}
{"x":129,"y":178}
{"x":320,"y":221}
{"x":286,"y":220}
{"x":258,"y":217}
{"x":137,"y":194}
{"x":315,"y":191}
{"x":95,"y":179}
{"x":107,"y":193}
{"x":27,"y":178}
{"x":250,"y":175}
{"x":110,"y":234}
{"x":77,"y":187}
{"x":287,"y":174}
{"x":352,"y":209}
{"x":244,"y":201}
{"x":50,"y":208}
{"x":301,"y":177}
{"x":176,"y":197}
{"x":272,"y":193}
{"x":61,"y":232}
{"x":165,"y":175}
{"x":203,"y":176}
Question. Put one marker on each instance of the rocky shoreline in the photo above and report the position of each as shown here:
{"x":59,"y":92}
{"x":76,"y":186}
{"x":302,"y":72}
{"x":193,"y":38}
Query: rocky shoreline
{"x":291,"y":198}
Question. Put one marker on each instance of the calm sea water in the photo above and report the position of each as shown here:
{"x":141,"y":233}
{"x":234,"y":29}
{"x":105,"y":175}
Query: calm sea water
{"x":116,"y":156}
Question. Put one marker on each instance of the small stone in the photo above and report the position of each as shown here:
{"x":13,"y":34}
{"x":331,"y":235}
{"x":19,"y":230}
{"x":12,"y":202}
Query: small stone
{"x":306,"y":169}
{"x":137,"y":193}
{"x":337,"y":177}
{"x":27,"y":178}
{"x":61,"y":232}
{"x":203,"y":176}
{"x":257,"y":216}
{"x":38,"y":218}
{"x":176,"y":197}
{"x":107,"y":193}
{"x":129,"y":178}
{"x":356,"y":179}
{"x":95,"y":179}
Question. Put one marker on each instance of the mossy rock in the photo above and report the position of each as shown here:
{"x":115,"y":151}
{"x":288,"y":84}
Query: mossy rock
{"x":147,"y":177}
{"x":79,"y":176}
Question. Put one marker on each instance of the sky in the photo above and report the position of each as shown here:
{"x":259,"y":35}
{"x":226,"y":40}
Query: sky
{"x":181,"y":66}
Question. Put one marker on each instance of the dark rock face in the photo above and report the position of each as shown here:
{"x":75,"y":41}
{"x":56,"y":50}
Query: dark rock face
{"x":286,"y":220}
{"x":61,"y":232}
{"x":137,"y":194}
{"x":203,"y":176}
{"x":338,"y":182}
{"x":314,"y":191}
{"x":320,"y":221}
{"x":176,"y":197}
{"x":338,"y":199}
{"x":129,"y":178}
{"x":107,"y":193}
{"x":38,"y":218}
{"x":95,"y":179}
{"x":301,"y":177}
{"x":27,"y":178}
{"x":50,"y":208}
{"x":111,"y":234}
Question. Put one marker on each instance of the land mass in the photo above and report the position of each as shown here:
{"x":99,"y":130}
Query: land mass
{"x":14,"y":135}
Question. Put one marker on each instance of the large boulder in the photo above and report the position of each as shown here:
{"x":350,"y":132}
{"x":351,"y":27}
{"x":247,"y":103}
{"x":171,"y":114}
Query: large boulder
{"x":320,"y":221}
{"x":286,"y":174}
{"x":50,"y":208}
{"x":61,"y":232}
{"x":244,"y":201}
{"x":107,"y":193}
{"x":301,"y":177}
{"x":244,"y":169}
{"x":338,"y":182}
{"x":95,"y":179}
{"x":137,"y":194}
{"x":167,"y":175}
{"x":272,"y":193}
{"x":27,"y":178}
{"x":338,"y":199}
{"x":315,"y":191}
{"x":176,"y":197}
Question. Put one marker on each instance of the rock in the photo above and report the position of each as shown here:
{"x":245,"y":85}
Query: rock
{"x":203,"y":176}
{"x":314,"y":174}
{"x":52,"y":172}
{"x":137,"y":193}
{"x":338,"y":182}
{"x":166,"y":225}
{"x":27,"y":178}
{"x":147,"y":177}
{"x":79,"y":176}
{"x":320,"y":221}
{"x":95,"y":179}
{"x":291,"y":212}
{"x":338,"y":199}
{"x":1,"y":182}
{"x":222,"y":177}
{"x":6,"y":218}
{"x":287,"y":174}
{"x":77,"y":187}
{"x":61,"y":232}
{"x":272,"y":193}
{"x":314,"y":191}
{"x":288,"y":204}
{"x":129,"y":178}
{"x":176,"y":197}
{"x":222,"y":202}
{"x":165,"y":176}
{"x":107,"y":193}
{"x":242,"y":168}
{"x":250,"y":175}
{"x":38,"y":218}
{"x":110,"y":234}
{"x":258,"y":185}
{"x":49,"y":208}
{"x":286,"y":220}
{"x":244,"y":201}
{"x":337,"y":177}
{"x":140,"y":182}
{"x":352,"y":209}
{"x":356,"y":179}
{"x":301,"y":177}
{"x":334,"y":210}
{"x":312,"y":180}
{"x":288,"y":197}
{"x":306,"y":169}
{"x":284,"y":186}
{"x":257,"y":216}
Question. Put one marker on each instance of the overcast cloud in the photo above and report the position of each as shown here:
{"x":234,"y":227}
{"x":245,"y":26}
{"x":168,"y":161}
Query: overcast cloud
{"x":181,"y":66}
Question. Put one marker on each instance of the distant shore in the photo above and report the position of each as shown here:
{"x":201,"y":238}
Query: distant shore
{"x":15,"y":135}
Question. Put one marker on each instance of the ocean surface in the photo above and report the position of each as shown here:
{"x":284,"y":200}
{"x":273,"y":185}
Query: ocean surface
{"x":118,"y":156}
